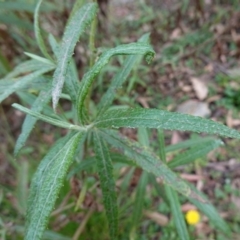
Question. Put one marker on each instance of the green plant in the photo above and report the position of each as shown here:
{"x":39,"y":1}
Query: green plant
{"x":96,"y":128}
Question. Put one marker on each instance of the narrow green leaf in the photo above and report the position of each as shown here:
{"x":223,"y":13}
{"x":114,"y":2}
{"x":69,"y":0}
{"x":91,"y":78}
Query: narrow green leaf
{"x":195,"y":153}
{"x":177,"y":213}
{"x":73,"y":30}
{"x":172,"y":195}
{"x":88,"y":78}
{"x":71,"y":82}
{"x":38,"y":58}
{"x":148,"y":161}
{"x":193,"y":142}
{"x":37,"y":32}
{"x":138,"y":204}
{"x":120,"y":78}
{"x":22,"y":186}
{"x":159,"y":188}
{"x":210,"y":211}
{"x":37,"y":84}
{"x":24,"y":6}
{"x":89,"y":163}
{"x":77,"y":4}
{"x":50,"y":120}
{"x":5,"y":65}
{"x":47,"y":182}
{"x":23,"y":81}
{"x":84,"y":165}
{"x":154,"y":118}
{"x":29,"y":122}
{"x":162,"y":147}
{"x":139,"y":201}
{"x":105,"y":169}
{"x":25,"y":67}
{"x":13,"y":19}
{"x":48,"y":235}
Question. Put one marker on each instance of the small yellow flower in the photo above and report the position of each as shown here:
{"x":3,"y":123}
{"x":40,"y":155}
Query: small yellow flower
{"x":192,"y":217}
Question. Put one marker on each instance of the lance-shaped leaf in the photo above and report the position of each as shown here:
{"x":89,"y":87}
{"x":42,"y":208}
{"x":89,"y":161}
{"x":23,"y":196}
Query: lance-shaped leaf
{"x":28,"y":7}
{"x":47,"y":182}
{"x":88,"y":78}
{"x":190,"y":143}
{"x":120,"y":78}
{"x":53,"y":121}
{"x":194,"y":153}
{"x":37,"y":32}
{"x":71,"y":82}
{"x":154,"y":118}
{"x":25,"y":67}
{"x":105,"y":169}
{"x":29,"y":122}
{"x":21,"y":82}
{"x":148,"y":161}
{"x":38,"y":58}
{"x":79,"y":21}
{"x":211,"y":212}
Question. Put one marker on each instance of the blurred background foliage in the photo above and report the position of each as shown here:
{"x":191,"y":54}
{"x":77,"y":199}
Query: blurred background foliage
{"x":196,"y":67}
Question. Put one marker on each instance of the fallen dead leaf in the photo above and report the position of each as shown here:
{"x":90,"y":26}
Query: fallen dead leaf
{"x":176,"y":33}
{"x":159,"y":218}
{"x":236,"y":187}
{"x":176,"y":137}
{"x":231,"y":122}
{"x":191,"y":177}
{"x":199,"y":87}
{"x":144,"y":101}
{"x":194,"y":108}
{"x":188,"y":206}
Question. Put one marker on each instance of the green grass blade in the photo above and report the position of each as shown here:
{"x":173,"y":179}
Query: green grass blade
{"x":107,"y":183}
{"x":159,"y":188}
{"x":37,"y":32}
{"x":47,"y":182}
{"x":194,"y":153}
{"x":139,"y":202}
{"x":47,"y":119}
{"x":211,"y":212}
{"x":120,"y":78}
{"x":143,"y":139}
{"x":148,"y":161}
{"x":153,"y":118}
{"x":88,"y":78}
{"x":73,"y":30}
{"x":5,"y":65}
{"x":14,"y":85}
{"x":29,"y":122}
{"x":172,"y":195}
{"x":177,"y":213}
